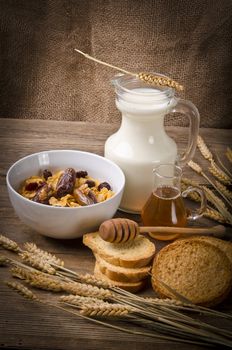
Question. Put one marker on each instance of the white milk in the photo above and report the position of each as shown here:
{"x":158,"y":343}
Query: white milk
{"x":141,"y":142}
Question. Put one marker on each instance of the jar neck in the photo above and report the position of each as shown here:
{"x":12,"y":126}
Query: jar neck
{"x":168,"y":176}
{"x":145,"y":102}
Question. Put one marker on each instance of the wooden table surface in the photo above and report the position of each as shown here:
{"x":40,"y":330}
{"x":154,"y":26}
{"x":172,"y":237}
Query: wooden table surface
{"x":28,"y":325}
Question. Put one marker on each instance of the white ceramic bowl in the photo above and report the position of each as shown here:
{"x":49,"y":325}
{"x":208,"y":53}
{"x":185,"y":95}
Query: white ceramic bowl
{"x":64,"y":222}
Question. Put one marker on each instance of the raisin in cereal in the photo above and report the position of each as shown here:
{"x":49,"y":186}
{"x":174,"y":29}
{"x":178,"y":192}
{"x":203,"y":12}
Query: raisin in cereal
{"x":65,"y":188}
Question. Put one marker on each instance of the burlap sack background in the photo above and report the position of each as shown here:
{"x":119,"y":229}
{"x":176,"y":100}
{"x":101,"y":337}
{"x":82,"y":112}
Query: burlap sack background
{"x":42,"y":77}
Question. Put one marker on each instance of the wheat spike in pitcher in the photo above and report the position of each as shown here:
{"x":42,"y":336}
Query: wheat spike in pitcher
{"x":141,"y":142}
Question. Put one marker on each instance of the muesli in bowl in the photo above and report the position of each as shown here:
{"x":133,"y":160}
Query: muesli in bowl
{"x":65,"y":188}
{"x":64,"y":216}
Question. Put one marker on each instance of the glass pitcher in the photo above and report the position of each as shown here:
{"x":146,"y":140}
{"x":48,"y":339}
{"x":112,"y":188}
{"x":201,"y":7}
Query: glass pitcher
{"x":165,"y":205}
{"x":141,"y":142}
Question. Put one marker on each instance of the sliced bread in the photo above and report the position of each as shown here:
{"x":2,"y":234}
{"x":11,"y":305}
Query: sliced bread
{"x":132,"y":287}
{"x":122,"y":274}
{"x":198,"y":270}
{"x":133,"y":254}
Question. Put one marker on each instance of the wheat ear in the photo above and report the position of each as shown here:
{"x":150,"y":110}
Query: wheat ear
{"x":209,"y":212}
{"x":108,"y":310}
{"x":145,"y":77}
{"x":3,"y":260}
{"x":160,"y":81}
{"x":192,"y":195}
{"x":9,"y":244}
{"x":22,"y":290}
{"x":212,"y":197}
{"x":219,"y":174}
{"x":227,"y":193}
{"x":37,"y":262}
{"x":223,"y":176}
{"x":229,"y":154}
{"x":204,"y":149}
{"x":215,"y":215}
{"x":83,"y":278}
{"x":87,"y":290}
{"x":38,"y":279}
{"x":196,"y":167}
{"x":219,"y":204}
{"x":23,"y":273}
{"x":51,"y":259}
{"x":90,"y":279}
{"x":78,"y":300}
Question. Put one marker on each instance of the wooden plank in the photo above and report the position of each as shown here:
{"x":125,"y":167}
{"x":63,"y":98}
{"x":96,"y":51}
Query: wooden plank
{"x":25,"y":324}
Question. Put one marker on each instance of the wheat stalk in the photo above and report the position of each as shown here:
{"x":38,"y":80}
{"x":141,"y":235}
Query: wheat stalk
{"x":204,"y":149}
{"x":229,"y":154}
{"x":51,"y":259}
{"x":25,"y":292}
{"x":9,"y":244}
{"x":145,"y":77}
{"x":219,"y":174}
{"x":223,"y":166}
{"x":82,"y":278}
{"x":164,"y":320}
{"x":176,"y":304}
{"x":37,"y":262}
{"x":176,"y":336}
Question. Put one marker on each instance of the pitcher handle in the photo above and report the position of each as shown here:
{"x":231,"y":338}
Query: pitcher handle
{"x":190,"y":110}
{"x":197,"y":213}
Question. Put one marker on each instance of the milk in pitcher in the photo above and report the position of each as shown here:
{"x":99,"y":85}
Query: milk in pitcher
{"x":141,"y":142}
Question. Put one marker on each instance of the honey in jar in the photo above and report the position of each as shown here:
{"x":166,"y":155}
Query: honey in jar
{"x":165,"y":205}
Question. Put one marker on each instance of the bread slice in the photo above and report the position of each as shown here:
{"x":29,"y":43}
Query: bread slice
{"x":132,"y":287}
{"x":198,"y":270}
{"x":133,"y":254}
{"x":122,"y":274}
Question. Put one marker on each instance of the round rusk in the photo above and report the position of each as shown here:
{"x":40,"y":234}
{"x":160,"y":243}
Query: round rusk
{"x":196,"y":269}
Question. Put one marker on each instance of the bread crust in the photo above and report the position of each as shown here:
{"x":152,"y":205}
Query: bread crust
{"x":122,"y":274}
{"x":196,"y":269}
{"x":132,"y":287}
{"x":120,"y":254}
{"x":225,"y":246}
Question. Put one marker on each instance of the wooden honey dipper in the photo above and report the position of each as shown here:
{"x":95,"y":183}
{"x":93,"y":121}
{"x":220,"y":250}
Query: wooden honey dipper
{"x":123,"y":230}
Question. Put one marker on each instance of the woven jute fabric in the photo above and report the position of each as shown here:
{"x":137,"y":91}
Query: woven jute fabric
{"x":42,"y":77}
